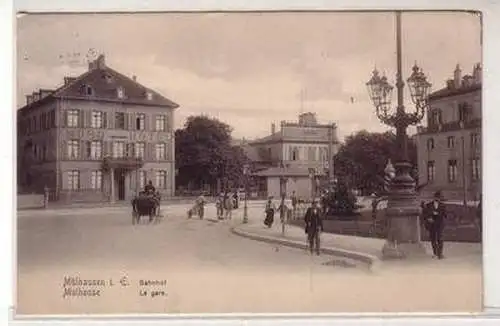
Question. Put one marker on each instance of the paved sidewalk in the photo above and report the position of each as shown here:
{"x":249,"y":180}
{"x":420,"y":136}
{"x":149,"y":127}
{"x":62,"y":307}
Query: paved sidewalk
{"x":366,"y":250}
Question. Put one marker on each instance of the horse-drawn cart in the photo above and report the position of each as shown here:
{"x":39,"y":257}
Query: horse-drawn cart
{"x":146,"y":205}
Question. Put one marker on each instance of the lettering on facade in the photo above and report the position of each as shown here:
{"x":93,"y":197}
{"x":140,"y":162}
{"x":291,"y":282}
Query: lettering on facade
{"x":75,"y":133}
{"x":95,"y":134}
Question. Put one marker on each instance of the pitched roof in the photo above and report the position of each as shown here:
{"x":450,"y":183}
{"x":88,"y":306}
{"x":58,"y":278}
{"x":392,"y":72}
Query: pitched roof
{"x":446,"y":92}
{"x":104,"y":83}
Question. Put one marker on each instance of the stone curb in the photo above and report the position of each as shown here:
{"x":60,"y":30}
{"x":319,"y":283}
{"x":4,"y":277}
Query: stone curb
{"x":372,"y":261}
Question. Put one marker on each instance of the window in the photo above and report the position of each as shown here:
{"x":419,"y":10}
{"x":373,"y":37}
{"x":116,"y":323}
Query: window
{"x":44,"y":152}
{"x":436,"y":117}
{"x":431,"y":171}
{"x":463,"y":112}
{"x":73,"y":149}
{"x":52,"y":119}
{"x":73,"y":117}
{"x":139,"y":121}
{"x":97,"y":119}
{"x":34,"y":127}
{"x":452,"y":170}
{"x":294,"y":154}
{"x":149,"y":95}
{"x":120,"y":120}
{"x":161,"y":179}
{"x":474,"y":140}
{"x":95,"y":149}
{"x":120,"y":92}
{"x":130,"y":150}
{"x":118,"y":149}
{"x":74,"y":180}
{"x":324,"y":154}
{"x":451,"y":142}
{"x":160,"y":150}
{"x":96,"y":180}
{"x":476,"y":169}
{"x":161,"y":123}
{"x":88,"y":90}
{"x":311,"y":153}
{"x":142,"y":179}
{"x":43,"y":121}
{"x":430,"y":144}
{"x":139,"y":150}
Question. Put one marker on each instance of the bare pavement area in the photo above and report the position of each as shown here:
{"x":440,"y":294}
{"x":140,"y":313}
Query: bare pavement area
{"x":200,"y":266}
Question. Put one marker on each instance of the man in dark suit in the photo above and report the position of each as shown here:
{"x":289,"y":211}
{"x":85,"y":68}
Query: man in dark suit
{"x":313,"y":227}
{"x":434,"y":217}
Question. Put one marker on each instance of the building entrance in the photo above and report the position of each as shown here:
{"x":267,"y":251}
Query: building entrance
{"x":120,"y":183}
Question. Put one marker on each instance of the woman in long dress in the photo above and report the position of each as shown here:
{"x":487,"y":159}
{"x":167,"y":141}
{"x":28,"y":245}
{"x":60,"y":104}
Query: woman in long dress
{"x":270,"y":208}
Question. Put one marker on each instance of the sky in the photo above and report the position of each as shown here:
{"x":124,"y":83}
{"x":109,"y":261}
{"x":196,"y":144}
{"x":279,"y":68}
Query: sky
{"x":251,"y":69}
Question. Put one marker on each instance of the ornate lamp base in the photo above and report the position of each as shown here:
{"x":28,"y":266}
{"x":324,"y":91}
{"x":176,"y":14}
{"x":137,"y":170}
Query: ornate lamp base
{"x":402,"y":213}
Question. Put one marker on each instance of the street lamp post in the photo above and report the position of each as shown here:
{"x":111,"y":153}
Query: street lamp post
{"x":403,"y":210}
{"x":246,"y":171}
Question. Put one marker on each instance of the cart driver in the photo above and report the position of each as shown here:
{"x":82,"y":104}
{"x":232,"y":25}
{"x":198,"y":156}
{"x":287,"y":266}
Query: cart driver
{"x":149,"y":189}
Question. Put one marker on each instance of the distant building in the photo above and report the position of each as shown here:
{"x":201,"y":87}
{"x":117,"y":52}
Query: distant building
{"x":449,"y":146}
{"x":98,"y":137}
{"x":286,"y":159}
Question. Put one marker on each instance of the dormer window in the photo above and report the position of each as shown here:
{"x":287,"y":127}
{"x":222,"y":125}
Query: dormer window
{"x":149,"y":95}
{"x":120,"y":92}
{"x":87,"y":90}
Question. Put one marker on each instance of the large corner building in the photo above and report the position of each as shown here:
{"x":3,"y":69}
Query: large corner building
{"x":449,"y":147}
{"x":99,"y":137}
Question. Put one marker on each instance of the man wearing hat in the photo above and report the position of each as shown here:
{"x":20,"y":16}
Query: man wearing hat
{"x":434,"y":216}
{"x":314,"y":225}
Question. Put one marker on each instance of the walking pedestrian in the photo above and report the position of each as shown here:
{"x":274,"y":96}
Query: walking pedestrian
{"x":313,"y":226}
{"x":434,"y":217}
{"x":228,"y":206}
{"x":200,"y":203}
{"x":219,"y":206}
{"x":270,"y":208}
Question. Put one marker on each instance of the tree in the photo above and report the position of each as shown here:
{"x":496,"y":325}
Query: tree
{"x":204,"y":154}
{"x":364,"y":155}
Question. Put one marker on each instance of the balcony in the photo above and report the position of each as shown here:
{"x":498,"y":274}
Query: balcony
{"x":450,"y":126}
{"x":123,"y":162}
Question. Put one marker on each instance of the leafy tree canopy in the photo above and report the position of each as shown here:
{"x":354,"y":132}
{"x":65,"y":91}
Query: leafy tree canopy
{"x":204,"y":153}
{"x":364,"y":155}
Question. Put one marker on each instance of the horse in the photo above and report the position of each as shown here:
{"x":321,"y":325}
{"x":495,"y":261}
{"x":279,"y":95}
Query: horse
{"x":145,"y":205}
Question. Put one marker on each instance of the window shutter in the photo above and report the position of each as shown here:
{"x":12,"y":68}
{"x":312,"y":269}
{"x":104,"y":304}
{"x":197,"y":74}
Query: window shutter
{"x":64,"y":149}
{"x":81,"y":117}
{"x":64,"y":114}
{"x":126,"y":121}
{"x":105,"y":120}
{"x":88,"y":119}
{"x":147,"y":122}
{"x":131,"y":121}
{"x":83,"y":150}
{"x":88,"y":147}
{"x":154,"y":127}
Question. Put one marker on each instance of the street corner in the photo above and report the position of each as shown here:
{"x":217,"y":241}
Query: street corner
{"x":371,"y":262}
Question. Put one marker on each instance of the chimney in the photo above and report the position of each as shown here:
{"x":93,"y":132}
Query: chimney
{"x":35,"y":96}
{"x":450,"y":84}
{"x":273,"y":128}
{"x":99,"y":63}
{"x":134,"y":78}
{"x":29,"y":99}
{"x":457,"y":76}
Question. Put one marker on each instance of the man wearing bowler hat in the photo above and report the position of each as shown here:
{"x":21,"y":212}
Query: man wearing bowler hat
{"x":313,"y":227}
{"x":434,"y":217}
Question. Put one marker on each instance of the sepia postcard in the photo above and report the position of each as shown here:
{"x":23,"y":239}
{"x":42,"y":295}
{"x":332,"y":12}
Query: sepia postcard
{"x":249,"y":162}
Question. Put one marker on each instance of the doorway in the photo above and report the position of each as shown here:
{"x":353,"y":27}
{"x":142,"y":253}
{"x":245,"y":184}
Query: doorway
{"x":120,"y":182}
